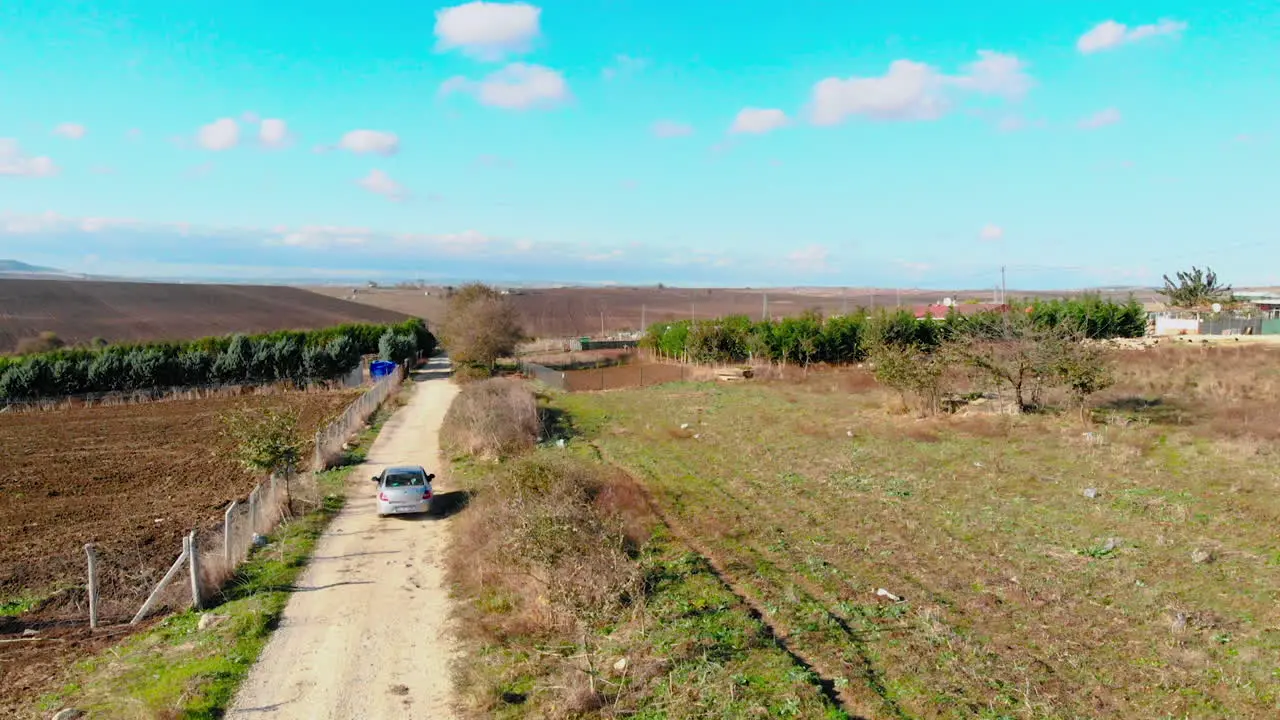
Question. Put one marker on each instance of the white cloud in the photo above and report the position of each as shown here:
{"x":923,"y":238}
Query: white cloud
{"x":670,"y":129}
{"x":1100,"y":119}
{"x":909,"y":91}
{"x":916,"y":91}
{"x":374,"y":142}
{"x":322,"y":237}
{"x":813,"y":258}
{"x":995,"y":73}
{"x":756,"y":121}
{"x":1111,"y":34}
{"x":274,"y":133}
{"x":218,"y":135}
{"x":488,"y":30}
{"x":381,"y":183}
{"x":624,"y":65}
{"x":13,"y":161}
{"x":71,"y":131}
{"x":992,"y":233}
{"x":518,"y":86}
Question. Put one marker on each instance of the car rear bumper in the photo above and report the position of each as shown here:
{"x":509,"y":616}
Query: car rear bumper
{"x":386,"y":508}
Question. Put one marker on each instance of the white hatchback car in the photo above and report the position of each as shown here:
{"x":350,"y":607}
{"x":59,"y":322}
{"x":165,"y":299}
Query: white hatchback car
{"x":404,"y":489}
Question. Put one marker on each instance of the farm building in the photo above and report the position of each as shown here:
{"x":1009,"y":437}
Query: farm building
{"x":939,"y":311}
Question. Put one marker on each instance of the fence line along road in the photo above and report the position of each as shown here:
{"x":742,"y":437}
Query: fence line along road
{"x":212,"y":557}
{"x":330,"y":439}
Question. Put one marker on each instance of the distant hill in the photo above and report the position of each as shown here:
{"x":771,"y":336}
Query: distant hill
{"x":78,"y":311}
{"x":16,"y":267}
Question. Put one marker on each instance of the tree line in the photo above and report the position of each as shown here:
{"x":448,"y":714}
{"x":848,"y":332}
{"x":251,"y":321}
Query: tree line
{"x":299,"y":356}
{"x":841,"y":339}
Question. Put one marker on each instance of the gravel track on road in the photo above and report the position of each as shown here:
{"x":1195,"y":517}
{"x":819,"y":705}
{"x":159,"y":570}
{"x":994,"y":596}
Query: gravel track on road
{"x":365,"y":634}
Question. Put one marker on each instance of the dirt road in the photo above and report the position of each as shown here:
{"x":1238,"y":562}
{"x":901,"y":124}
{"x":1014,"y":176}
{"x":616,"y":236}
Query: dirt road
{"x":364,"y":636}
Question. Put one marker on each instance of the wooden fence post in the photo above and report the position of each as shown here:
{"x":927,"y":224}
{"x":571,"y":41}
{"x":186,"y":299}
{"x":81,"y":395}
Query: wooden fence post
{"x":164,"y":582}
{"x":253,"y":511}
{"x":228,"y":536}
{"x":90,"y":551}
{"x":193,"y":547}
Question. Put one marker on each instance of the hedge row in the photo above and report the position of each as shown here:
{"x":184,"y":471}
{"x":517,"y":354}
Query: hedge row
{"x":841,"y":339}
{"x":299,"y":356}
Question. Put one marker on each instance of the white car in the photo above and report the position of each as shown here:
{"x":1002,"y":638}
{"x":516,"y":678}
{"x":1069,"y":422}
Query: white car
{"x":403,"y":489}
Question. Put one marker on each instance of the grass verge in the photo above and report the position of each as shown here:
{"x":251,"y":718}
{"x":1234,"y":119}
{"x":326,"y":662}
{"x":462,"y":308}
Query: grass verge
{"x":175,"y":669}
{"x":1041,"y":572}
{"x":576,"y":601}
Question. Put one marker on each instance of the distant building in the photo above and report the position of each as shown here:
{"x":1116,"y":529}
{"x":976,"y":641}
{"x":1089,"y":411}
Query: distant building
{"x":939,"y":311}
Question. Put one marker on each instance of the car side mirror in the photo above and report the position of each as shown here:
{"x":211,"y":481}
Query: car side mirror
{"x":431,"y":477}
{"x":374,"y":478}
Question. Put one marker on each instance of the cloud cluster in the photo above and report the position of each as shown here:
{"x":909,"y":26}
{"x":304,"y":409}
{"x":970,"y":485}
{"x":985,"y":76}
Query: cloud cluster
{"x":912,"y":90}
{"x":370,"y":142}
{"x":518,"y":86}
{"x":992,"y":233}
{"x":69,"y":130}
{"x":488,"y":30}
{"x":671,"y":128}
{"x":381,"y":183}
{"x":274,"y":133}
{"x":1101,"y":119}
{"x":219,"y":135}
{"x":757,"y":121}
{"x":13,"y":161}
{"x":1110,"y":34}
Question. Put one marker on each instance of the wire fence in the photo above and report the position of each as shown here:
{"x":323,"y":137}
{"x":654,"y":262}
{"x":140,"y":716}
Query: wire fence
{"x":331,"y":438}
{"x":126,"y":584}
{"x":551,"y":378}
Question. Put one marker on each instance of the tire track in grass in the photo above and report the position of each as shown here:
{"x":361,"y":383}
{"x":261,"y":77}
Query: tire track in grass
{"x":825,"y":678}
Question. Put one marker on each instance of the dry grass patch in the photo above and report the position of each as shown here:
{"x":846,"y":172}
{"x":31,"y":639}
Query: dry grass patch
{"x":491,"y":419}
{"x":1151,"y":595}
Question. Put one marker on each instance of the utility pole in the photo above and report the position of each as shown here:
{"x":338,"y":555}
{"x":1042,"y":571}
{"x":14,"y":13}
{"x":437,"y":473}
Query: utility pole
{"x":602,"y":323}
{"x":643,"y":327}
{"x":693,"y":313}
{"x":1004,"y":296}
{"x":764,"y":314}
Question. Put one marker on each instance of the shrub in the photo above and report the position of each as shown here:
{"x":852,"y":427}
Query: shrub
{"x":492,"y":419}
{"x":481,"y":327}
{"x":539,"y":537}
{"x":44,"y":342}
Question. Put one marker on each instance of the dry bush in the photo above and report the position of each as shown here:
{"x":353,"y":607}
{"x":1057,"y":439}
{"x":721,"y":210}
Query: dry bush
{"x":466,"y":374}
{"x":546,"y":551}
{"x":44,"y":342}
{"x":491,"y":419}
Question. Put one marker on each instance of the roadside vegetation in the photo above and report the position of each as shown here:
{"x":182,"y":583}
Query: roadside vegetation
{"x":980,"y":564}
{"x":190,"y":664}
{"x":286,"y":356}
{"x":811,"y":339}
{"x":575,"y":600}
{"x":481,"y":326}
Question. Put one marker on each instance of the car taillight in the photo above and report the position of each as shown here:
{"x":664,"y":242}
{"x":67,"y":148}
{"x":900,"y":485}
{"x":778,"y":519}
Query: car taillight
{"x":426,"y":494}
{"x":383,"y":497}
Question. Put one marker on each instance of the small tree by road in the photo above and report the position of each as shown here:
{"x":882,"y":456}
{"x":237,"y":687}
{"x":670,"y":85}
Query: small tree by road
{"x":480,"y":327}
{"x":266,"y":440}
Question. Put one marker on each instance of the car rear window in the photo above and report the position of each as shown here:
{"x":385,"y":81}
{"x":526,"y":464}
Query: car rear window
{"x":404,"y":479}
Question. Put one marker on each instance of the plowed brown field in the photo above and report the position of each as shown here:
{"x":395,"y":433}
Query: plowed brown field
{"x":78,"y":311}
{"x":131,"y":478}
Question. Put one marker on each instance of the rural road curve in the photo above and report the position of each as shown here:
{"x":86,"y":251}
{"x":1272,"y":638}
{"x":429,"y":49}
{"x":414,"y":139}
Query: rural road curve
{"x":365,"y":634}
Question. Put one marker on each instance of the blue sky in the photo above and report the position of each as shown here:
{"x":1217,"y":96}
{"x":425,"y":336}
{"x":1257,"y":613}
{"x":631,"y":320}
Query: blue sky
{"x":748,"y":143}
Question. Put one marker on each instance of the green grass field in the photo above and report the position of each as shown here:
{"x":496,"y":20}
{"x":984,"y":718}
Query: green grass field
{"x":1022,"y":597}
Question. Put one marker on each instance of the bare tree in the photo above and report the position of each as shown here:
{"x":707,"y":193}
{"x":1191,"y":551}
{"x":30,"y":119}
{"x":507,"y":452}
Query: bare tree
{"x":481,"y":326}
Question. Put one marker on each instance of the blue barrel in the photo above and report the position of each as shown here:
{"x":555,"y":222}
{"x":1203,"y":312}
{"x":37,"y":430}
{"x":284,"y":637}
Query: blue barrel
{"x":381,"y":368}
